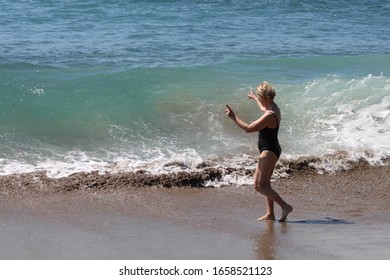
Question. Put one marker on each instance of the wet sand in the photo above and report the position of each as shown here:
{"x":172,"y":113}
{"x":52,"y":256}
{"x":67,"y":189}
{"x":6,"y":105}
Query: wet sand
{"x":341,"y":216}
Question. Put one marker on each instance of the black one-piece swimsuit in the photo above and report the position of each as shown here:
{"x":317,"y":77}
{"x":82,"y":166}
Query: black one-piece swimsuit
{"x":268,"y":139}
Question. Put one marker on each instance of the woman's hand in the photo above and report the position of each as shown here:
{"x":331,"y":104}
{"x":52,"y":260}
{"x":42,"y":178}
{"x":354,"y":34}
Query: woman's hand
{"x":256,"y":98}
{"x":229,"y":112}
{"x":252,"y":95}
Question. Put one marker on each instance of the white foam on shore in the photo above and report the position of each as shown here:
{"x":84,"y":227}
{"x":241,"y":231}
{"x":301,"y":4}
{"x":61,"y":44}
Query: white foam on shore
{"x":235,"y":171}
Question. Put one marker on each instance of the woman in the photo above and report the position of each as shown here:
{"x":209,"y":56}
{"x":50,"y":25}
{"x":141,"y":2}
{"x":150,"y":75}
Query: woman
{"x":267,"y":126}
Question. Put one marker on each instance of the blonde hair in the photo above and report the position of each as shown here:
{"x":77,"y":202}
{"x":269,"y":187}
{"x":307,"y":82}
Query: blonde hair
{"x":266,"y":90}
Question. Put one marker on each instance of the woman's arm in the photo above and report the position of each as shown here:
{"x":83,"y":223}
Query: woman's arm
{"x":253,"y":96}
{"x":257,"y":125}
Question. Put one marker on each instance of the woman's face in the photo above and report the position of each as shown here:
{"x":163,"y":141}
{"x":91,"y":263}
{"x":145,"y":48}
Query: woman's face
{"x":262,"y":97}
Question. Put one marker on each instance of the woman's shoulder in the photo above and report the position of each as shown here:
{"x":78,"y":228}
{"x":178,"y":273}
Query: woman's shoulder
{"x":270,"y":112}
{"x":273,"y":114}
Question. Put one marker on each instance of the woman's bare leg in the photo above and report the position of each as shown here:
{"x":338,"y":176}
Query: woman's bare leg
{"x":270,"y":214}
{"x":263,"y":174}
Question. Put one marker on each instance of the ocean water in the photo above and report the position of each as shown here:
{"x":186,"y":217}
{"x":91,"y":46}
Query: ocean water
{"x":118,"y":86}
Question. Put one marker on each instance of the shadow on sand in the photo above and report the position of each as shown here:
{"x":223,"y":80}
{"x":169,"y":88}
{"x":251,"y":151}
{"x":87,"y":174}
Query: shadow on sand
{"x":326,"y":221}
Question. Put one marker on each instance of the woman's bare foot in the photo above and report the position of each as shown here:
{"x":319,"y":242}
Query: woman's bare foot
{"x":285,"y":211}
{"x":267,"y":217}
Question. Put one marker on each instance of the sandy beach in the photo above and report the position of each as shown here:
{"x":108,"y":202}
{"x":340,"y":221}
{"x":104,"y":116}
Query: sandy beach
{"x":336,"y":216}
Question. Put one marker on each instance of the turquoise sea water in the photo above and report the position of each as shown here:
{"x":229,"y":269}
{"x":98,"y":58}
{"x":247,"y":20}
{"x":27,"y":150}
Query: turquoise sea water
{"x":128,"y":85}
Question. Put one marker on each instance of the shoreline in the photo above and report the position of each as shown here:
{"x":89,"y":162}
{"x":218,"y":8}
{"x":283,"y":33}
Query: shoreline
{"x":341,"y":216}
{"x":204,"y":175}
